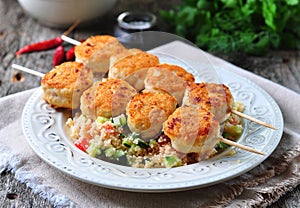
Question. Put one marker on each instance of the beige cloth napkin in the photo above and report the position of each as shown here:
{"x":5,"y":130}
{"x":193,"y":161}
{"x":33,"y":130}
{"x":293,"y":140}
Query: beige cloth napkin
{"x":259,"y":187}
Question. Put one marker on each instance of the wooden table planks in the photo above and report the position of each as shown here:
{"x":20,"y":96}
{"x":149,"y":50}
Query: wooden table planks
{"x":18,"y":29}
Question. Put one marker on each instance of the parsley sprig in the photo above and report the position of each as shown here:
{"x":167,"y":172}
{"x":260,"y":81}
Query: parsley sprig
{"x":249,"y":26}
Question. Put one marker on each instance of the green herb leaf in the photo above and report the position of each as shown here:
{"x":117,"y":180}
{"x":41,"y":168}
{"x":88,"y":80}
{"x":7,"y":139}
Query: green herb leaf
{"x":250,"y":26}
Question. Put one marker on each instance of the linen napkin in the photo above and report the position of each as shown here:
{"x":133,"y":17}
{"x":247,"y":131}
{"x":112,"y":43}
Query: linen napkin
{"x":259,"y":187}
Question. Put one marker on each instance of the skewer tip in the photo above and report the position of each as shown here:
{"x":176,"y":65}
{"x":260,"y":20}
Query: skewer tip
{"x":249,"y":149}
{"x":254,"y":119}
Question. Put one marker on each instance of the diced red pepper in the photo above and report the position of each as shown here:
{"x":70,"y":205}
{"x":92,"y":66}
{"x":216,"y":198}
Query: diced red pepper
{"x":82,"y":144}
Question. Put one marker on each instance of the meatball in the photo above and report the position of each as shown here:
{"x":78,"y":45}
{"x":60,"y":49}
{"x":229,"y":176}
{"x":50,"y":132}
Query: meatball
{"x":133,"y":68}
{"x":168,"y":78}
{"x":217,"y":98}
{"x":107,"y":98}
{"x":147,"y":111}
{"x":193,"y":129}
{"x":65,"y":83}
{"x":96,"y":51}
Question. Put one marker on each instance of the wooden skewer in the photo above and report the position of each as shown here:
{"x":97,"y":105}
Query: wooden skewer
{"x":232,"y":143}
{"x":70,"y":40}
{"x":27,"y":70}
{"x":253,"y":119}
{"x":72,"y":27}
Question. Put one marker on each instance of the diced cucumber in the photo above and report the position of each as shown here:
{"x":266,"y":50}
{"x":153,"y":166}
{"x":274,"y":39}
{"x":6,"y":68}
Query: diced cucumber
{"x":101,"y":119}
{"x":119,"y":120}
{"x":119,"y":153}
{"x":141,"y":143}
{"x":172,"y":161}
{"x":152,"y":142}
{"x":93,"y":150}
{"x":123,"y":120}
{"x":110,"y":152}
{"x":134,"y":135}
{"x":222,"y":145}
{"x":127,"y":142}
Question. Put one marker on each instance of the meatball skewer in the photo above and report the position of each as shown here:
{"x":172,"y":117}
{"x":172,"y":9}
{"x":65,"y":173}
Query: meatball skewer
{"x":64,"y":84}
{"x":95,"y":52}
{"x":193,"y":129}
{"x":218,"y":99}
{"x":166,"y":125}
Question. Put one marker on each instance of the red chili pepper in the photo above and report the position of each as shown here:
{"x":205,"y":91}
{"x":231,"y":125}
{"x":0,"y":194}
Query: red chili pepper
{"x":58,"y":56}
{"x":70,"y":55}
{"x":82,"y":144}
{"x":41,"y":46}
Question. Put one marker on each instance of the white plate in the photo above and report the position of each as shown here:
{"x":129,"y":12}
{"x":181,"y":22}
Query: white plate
{"x":44,"y":128}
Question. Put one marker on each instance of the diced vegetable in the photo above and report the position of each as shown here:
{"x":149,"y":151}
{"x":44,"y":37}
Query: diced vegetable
{"x":110,"y":152}
{"x":171,"y":161}
{"x":222,"y":145}
{"x":82,"y":144}
{"x":119,"y":153}
{"x":134,"y":135}
{"x":123,"y":120}
{"x":101,"y":119}
{"x":119,"y":120}
{"x":93,"y":150}
{"x":126,"y":142}
{"x":152,"y":142}
{"x":141,"y":143}
{"x":233,"y":130}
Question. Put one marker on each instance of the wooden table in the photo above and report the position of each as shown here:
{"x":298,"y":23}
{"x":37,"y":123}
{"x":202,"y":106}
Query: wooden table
{"x":18,"y":29}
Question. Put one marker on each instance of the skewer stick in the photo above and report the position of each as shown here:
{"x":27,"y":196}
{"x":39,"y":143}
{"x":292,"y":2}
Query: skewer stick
{"x":232,"y":143}
{"x":253,"y":119}
{"x":70,"y":40}
{"x":27,"y":70}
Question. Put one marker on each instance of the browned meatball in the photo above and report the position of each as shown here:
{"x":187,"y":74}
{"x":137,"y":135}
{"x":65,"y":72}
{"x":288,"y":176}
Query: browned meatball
{"x":147,"y":111}
{"x":65,"y":83}
{"x":217,"y":98}
{"x":133,"y":68}
{"x":107,"y":98}
{"x":193,"y":129}
{"x":168,"y":78}
{"x":96,"y":51}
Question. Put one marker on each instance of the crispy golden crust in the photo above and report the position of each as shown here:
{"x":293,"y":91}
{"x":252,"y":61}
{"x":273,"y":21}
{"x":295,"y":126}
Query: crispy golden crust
{"x":65,"y":83}
{"x":147,"y":111}
{"x":181,"y":72}
{"x":64,"y":75}
{"x":168,"y":78}
{"x":192,"y":129}
{"x":217,"y":98}
{"x":107,"y":98}
{"x":133,"y":68}
{"x":94,"y":43}
{"x":96,"y":51}
{"x":131,"y":63}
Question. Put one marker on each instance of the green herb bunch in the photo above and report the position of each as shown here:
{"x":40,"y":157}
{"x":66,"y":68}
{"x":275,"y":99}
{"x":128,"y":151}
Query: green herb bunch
{"x":249,"y":26}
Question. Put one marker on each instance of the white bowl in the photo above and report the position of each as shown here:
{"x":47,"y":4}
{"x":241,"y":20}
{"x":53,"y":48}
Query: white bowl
{"x":62,"y":13}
